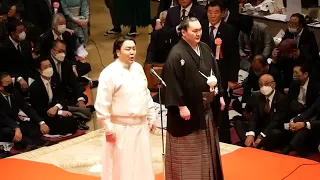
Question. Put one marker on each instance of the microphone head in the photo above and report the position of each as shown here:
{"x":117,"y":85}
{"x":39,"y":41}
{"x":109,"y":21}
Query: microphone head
{"x":56,"y":5}
{"x":152,"y":71}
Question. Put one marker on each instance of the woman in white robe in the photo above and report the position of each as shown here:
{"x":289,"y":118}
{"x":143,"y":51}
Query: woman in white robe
{"x":125,"y":106}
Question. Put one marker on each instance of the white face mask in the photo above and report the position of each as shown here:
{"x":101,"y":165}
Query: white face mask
{"x":48,"y":72}
{"x":293,"y":30}
{"x":60,"y":57}
{"x":22,"y":36}
{"x":62,"y":28}
{"x":266,"y":90}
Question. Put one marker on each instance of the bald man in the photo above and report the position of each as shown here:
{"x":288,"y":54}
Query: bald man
{"x":266,"y":126}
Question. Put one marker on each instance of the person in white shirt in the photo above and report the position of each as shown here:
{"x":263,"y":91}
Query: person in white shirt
{"x":125,"y":106}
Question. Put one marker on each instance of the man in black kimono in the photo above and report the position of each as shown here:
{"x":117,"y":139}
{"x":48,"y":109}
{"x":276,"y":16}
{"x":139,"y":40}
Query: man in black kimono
{"x":192,"y":133}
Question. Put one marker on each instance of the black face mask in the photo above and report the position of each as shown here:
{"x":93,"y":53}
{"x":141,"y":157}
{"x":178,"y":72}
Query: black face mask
{"x":9,"y":88}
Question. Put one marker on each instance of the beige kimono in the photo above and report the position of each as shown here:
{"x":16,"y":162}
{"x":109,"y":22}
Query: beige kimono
{"x":125,"y":105}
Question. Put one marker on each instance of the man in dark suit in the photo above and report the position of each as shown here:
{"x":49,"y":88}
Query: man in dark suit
{"x":40,"y":12}
{"x":306,"y":128}
{"x":266,"y":126}
{"x":158,"y":48}
{"x":58,"y":31}
{"x":24,"y":120}
{"x":305,"y":39}
{"x":231,"y":15}
{"x":303,"y":91}
{"x":64,"y":75}
{"x":175,"y":15}
{"x":289,"y":55}
{"x":228,"y":59}
{"x":260,"y":67}
{"x":47,"y":99}
{"x":16,"y":54}
{"x":256,"y":37}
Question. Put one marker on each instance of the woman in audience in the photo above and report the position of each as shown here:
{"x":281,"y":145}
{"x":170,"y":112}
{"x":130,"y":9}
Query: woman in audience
{"x":77,"y":14}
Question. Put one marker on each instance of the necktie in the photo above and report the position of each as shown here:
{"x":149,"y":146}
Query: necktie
{"x":8,"y":99}
{"x":49,"y":91}
{"x":211,"y":36}
{"x":59,"y":69}
{"x":267,"y":107}
{"x":183,"y":14}
{"x":304,"y":97}
{"x":19,"y":47}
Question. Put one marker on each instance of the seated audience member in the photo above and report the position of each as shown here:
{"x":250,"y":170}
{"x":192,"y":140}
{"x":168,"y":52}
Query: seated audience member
{"x":17,"y":12}
{"x":63,"y":74}
{"x":266,"y":126}
{"x":158,"y":48}
{"x":303,"y":91}
{"x":260,"y":67}
{"x":40,"y":12}
{"x":256,"y":37}
{"x":47,"y":99}
{"x":23,"y":120}
{"x":305,"y":39}
{"x":58,"y":32}
{"x":306,"y":128}
{"x":289,"y":55}
{"x":77,"y":13}
{"x":16,"y":55}
{"x":6,"y":4}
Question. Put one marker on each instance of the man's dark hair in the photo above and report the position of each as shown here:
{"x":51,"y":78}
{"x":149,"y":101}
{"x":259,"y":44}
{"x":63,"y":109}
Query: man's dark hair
{"x":12,"y":25}
{"x":245,"y":23}
{"x":302,"y":20}
{"x":118,"y":44}
{"x":39,"y":60}
{"x":55,"y":42}
{"x":261,"y":59}
{"x":220,"y":3}
{"x":186,"y":22}
{"x":3,"y":75}
{"x":304,"y":67}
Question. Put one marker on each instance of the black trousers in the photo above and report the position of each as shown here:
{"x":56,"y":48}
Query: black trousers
{"x":109,"y":5}
{"x":30,"y":133}
{"x":61,"y":125}
{"x":224,"y":123}
{"x":305,"y":139}
{"x":274,"y":138}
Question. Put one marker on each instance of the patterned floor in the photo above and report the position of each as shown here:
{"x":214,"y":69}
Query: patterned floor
{"x":83,"y":154}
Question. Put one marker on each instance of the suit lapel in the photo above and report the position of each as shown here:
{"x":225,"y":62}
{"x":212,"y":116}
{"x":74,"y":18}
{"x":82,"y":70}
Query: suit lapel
{"x":44,"y":90}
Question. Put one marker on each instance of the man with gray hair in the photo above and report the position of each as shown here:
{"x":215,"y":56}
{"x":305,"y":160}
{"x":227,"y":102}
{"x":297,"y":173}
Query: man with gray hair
{"x":59,"y":31}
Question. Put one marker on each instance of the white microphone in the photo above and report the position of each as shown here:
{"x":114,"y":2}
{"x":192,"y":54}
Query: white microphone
{"x":153,"y":73}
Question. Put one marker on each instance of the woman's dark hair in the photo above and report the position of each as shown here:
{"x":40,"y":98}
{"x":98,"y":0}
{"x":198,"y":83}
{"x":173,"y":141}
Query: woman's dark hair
{"x":118,"y":44}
